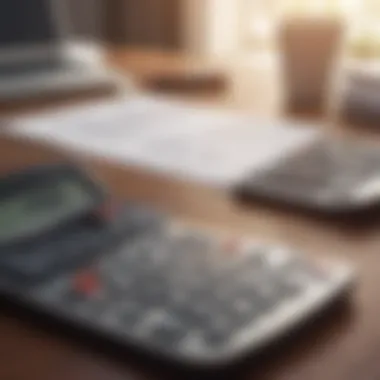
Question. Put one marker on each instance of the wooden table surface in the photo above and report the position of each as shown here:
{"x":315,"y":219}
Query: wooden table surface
{"x":343,"y":345}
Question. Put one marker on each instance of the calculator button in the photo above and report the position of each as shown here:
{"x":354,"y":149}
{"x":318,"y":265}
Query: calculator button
{"x":120,"y":280}
{"x":168,"y":336}
{"x":153,"y":321}
{"x":287,"y":291}
{"x":220,"y":332}
{"x":278,"y":257}
{"x":129,"y":314}
{"x":242,"y":306}
{"x":192,"y":316}
{"x":150,"y":295}
{"x":86,"y":283}
{"x":110,"y":317}
{"x":194,"y":343}
{"x":301,"y":280}
{"x":243,"y":311}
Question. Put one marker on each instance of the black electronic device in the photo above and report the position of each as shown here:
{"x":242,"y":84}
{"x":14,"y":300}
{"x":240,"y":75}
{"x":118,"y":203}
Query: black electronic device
{"x":134,"y":277}
{"x":327,"y":176}
{"x":26,"y":22}
{"x":38,"y":57}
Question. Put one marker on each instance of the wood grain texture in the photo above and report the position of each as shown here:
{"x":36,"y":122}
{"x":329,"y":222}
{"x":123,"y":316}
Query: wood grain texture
{"x":344,"y":345}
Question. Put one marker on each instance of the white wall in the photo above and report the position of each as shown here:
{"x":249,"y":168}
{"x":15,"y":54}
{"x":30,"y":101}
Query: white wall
{"x":211,"y":27}
{"x":224,"y":28}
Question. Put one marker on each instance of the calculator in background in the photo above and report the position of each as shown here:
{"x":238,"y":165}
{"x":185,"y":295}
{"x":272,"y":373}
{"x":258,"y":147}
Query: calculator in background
{"x":132,"y":276}
{"x":327,"y":176}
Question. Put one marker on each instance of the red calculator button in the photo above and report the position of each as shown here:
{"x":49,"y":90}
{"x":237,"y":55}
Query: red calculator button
{"x":86,"y":283}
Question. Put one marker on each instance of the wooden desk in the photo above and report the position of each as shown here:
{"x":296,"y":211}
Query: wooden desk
{"x":345,"y":345}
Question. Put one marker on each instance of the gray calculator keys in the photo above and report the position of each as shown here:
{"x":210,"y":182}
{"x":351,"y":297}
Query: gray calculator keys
{"x":182,"y":293}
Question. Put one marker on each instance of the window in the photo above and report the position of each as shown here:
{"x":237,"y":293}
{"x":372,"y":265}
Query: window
{"x":362,"y":16}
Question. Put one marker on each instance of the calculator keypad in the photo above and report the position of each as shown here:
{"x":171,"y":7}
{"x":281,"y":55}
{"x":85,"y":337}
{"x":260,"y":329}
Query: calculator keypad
{"x":181,"y":291}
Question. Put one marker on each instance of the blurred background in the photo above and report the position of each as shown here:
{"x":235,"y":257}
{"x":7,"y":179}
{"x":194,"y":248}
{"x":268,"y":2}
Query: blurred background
{"x":309,"y":38}
{"x":220,"y":26}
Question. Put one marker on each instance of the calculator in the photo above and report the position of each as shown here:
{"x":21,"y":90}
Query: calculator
{"x":326,"y":176}
{"x":137,"y":278}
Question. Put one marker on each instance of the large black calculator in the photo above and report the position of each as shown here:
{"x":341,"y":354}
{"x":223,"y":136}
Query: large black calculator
{"x":136,"y":278}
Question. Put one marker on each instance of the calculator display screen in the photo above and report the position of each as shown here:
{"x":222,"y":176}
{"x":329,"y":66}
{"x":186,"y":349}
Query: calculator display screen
{"x":31,"y":211}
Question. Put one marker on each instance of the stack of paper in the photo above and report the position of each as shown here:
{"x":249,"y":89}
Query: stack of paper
{"x":195,"y":143}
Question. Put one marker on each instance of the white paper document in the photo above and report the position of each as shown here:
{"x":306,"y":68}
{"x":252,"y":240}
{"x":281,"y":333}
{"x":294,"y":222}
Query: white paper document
{"x":194,"y":143}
